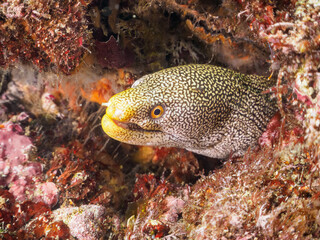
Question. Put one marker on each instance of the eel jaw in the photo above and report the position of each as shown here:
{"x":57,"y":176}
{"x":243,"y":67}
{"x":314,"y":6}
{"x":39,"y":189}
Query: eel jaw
{"x":131,"y":133}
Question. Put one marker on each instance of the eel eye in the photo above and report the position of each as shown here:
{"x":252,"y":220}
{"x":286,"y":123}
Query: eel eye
{"x":157,"y":111}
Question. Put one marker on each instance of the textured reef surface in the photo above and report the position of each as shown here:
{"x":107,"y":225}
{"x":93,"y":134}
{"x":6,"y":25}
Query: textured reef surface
{"x":61,"y":177}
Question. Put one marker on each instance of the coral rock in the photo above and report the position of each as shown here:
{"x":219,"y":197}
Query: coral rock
{"x":85,"y":222}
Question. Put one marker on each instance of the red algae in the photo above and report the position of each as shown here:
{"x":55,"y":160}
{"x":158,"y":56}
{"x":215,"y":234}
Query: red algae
{"x":15,"y":216}
{"x":157,"y":209}
{"x":44,"y":33}
{"x":183,"y":165}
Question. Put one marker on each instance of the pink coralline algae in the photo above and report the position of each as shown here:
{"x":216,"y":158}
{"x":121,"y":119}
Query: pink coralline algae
{"x":85,"y":222}
{"x":17,"y":172}
{"x":13,"y":153}
{"x":13,"y":145}
{"x":173,"y":208}
{"x":46,"y":192}
{"x":269,"y":137}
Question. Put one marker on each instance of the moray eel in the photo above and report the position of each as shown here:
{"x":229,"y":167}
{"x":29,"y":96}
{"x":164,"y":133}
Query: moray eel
{"x":209,"y":110}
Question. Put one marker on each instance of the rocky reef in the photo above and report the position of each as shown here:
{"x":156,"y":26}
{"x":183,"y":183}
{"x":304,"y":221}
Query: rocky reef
{"x":61,"y":177}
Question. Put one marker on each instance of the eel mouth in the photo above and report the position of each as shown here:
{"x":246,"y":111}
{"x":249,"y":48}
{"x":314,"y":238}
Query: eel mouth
{"x":130,"y":133}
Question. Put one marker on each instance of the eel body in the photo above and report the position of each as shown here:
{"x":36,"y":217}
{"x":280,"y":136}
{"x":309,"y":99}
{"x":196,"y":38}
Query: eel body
{"x":206,"y":109}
